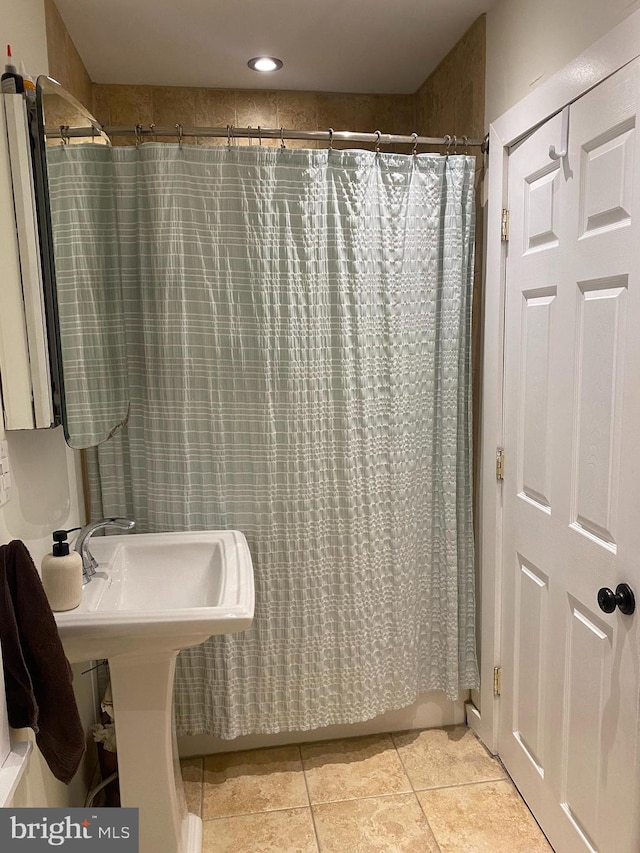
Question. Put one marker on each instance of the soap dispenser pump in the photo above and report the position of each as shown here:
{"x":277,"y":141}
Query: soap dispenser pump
{"x":62,"y":573}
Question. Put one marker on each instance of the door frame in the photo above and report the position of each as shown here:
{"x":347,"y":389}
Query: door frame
{"x":606,"y":56}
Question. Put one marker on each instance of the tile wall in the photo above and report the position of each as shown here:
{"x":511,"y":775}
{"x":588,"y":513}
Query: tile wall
{"x":65,"y":64}
{"x":119,"y":105}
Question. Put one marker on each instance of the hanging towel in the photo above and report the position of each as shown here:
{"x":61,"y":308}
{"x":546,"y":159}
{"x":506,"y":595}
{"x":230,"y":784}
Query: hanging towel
{"x":37,"y":674}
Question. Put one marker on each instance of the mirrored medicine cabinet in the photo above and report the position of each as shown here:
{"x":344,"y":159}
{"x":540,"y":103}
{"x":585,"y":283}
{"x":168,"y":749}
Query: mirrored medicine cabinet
{"x":75,"y":199}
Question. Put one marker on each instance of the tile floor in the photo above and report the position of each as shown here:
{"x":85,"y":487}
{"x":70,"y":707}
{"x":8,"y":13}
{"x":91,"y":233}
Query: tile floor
{"x":431,"y":791}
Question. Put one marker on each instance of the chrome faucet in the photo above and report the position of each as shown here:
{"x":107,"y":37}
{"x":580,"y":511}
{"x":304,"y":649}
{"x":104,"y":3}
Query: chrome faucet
{"x":89,"y":563}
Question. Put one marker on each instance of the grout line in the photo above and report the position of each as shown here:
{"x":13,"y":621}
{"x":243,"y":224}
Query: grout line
{"x":365,"y":797}
{"x":462,"y":785}
{"x":306,"y":785}
{"x":406,"y":772}
{"x":438,"y":850}
{"x":256,"y":814}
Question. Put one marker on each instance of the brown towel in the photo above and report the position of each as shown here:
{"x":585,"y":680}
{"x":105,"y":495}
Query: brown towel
{"x":37,"y":675}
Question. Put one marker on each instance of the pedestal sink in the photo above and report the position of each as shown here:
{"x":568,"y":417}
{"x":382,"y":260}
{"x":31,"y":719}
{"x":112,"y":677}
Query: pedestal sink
{"x":153,"y":595}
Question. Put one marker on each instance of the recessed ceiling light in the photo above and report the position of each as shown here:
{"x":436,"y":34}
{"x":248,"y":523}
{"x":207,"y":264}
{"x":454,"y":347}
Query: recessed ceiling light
{"x":265,"y":63}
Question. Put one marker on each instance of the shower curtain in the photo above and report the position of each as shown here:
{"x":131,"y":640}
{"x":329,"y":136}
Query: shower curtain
{"x":297,"y":328}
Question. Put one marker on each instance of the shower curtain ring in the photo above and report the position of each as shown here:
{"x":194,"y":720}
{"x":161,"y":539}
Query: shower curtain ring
{"x":282,"y":145}
{"x":259,"y":135}
{"x":447,"y":142}
{"x":64,"y":134}
{"x":455,"y":143}
{"x":179,"y":129}
{"x":330,"y":139}
{"x":249,"y":129}
{"x":414,"y":150}
{"x":465,"y":144}
{"x":152,"y":132}
{"x":138,"y":129}
{"x":378,"y":135}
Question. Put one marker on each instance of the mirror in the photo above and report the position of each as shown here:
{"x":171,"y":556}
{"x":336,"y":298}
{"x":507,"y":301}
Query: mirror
{"x":75,"y":197}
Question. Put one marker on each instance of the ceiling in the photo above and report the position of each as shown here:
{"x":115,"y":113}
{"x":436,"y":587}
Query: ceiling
{"x":368,"y":46}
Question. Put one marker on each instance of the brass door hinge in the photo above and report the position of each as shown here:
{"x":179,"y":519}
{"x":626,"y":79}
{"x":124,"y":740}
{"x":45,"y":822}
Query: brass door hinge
{"x":500,"y":464}
{"x":504,"y":225}
{"x":497,"y":681}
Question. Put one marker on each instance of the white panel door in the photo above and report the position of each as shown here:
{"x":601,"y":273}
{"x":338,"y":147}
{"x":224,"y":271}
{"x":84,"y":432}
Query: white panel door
{"x":569,"y":722}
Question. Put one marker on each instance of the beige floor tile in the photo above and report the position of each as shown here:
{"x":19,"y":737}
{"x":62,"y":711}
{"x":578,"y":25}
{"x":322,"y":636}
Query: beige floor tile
{"x":192,"y":769}
{"x":353,"y":768}
{"x":489,"y":817}
{"x":257,"y":780}
{"x":391,"y":824}
{"x":289,"y":831}
{"x":435,"y":758}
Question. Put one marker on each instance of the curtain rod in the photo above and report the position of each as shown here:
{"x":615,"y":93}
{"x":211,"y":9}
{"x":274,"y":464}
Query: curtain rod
{"x":232,"y":133}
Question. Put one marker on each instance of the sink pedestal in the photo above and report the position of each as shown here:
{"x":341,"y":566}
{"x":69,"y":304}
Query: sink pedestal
{"x":155,"y":594}
{"x":148,"y":765}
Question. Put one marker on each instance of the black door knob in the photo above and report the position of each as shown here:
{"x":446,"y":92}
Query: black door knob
{"x":623,"y":598}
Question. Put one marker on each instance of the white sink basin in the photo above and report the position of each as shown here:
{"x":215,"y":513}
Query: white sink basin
{"x":168,"y":590}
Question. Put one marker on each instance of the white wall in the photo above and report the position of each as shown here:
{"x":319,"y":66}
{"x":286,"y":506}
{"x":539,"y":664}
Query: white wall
{"x":529,"y":40}
{"x":23,"y":28}
{"x":47,"y":487}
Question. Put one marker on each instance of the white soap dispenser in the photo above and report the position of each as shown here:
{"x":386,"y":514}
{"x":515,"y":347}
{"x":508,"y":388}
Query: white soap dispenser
{"x":62,"y":574}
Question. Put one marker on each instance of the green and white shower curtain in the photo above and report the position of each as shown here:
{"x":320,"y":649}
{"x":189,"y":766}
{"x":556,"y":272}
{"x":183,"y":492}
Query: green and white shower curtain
{"x":297,"y":327}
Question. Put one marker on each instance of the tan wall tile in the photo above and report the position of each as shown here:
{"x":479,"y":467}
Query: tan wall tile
{"x":337,"y":111}
{"x":130,"y":105}
{"x":174,"y":105}
{"x":56,"y":42}
{"x":65,"y":63}
{"x":367,"y":117}
{"x":215,"y":107}
{"x":78,"y":82}
{"x":297,"y":110}
{"x":255,"y":107}
{"x":451,"y":100}
{"x":102,"y":104}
